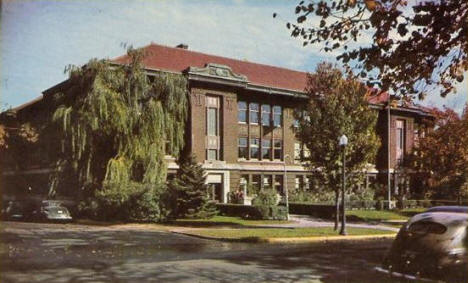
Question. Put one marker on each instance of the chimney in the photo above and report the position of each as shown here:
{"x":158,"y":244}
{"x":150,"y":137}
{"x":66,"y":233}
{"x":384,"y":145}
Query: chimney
{"x":182,"y":46}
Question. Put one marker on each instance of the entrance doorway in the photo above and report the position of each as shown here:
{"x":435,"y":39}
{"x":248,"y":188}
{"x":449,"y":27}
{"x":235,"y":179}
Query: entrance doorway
{"x":216,"y":192}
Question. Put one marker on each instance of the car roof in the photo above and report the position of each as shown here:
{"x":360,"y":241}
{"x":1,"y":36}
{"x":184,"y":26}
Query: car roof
{"x":454,"y":208}
{"x":443,"y":217}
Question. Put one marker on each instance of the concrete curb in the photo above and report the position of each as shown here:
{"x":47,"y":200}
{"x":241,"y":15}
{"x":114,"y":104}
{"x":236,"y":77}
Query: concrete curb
{"x":320,"y":239}
{"x":328,"y":238}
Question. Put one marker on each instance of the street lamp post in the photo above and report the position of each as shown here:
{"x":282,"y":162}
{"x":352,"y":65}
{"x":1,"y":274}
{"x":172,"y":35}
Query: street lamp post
{"x":285,"y":187}
{"x":343,"y":143}
{"x":389,"y":196}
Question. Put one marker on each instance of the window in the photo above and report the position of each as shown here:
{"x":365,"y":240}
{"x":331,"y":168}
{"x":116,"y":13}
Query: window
{"x":400,"y":140}
{"x":256,"y":182}
{"x":212,"y":128}
{"x":254,"y":113}
{"x":277,"y":116}
{"x":212,"y":121}
{"x":212,"y":154}
{"x":279,"y":184}
{"x":243,"y":151}
{"x":309,"y":183}
{"x":305,"y":151}
{"x":418,"y":133}
{"x":266,"y":149}
{"x":267,"y":181}
{"x":244,"y":182}
{"x":299,"y":182}
{"x":242,"y":111}
{"x":277,"y":149}
{"x":266,"y":115}
{"x":297,"y":151}
{"x":296,"y":123}
{"x":254,"y":153}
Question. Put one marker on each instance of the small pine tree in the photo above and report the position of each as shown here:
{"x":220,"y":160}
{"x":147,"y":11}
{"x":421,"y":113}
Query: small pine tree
{"x":190,"y":191}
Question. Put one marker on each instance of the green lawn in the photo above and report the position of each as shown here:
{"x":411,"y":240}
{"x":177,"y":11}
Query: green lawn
{"x":256,"y":233}
{"x":224,"y":221}
{"x":382,"y":215}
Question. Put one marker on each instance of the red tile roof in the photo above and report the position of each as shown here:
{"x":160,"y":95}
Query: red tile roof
{"x":178,"y":59}
{"x":377,"y":97}
{"x":175,"y":59}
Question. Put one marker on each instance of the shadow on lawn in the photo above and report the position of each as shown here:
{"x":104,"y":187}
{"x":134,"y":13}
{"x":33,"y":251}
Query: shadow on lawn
{"x":206,"y":224}
{"x":214,"y":224}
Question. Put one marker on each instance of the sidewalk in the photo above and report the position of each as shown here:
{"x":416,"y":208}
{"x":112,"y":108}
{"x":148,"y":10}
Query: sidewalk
{"x":297,"y":221}
{"x":306,"y":221}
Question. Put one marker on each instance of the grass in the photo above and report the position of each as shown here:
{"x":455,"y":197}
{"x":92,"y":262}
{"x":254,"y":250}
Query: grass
{"x":382,"y":215}
{"x":259,"y":233}
{"x":225,"y":221}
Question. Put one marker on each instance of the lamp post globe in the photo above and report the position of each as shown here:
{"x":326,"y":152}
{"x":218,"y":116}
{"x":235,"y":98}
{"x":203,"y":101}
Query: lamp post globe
{"x":343,"y":142}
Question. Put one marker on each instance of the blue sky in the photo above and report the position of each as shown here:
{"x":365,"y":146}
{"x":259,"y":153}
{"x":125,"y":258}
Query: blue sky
{"x":40,"y":38}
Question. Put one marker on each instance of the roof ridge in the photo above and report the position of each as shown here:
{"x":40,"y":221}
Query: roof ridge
{"x":211,"y":55}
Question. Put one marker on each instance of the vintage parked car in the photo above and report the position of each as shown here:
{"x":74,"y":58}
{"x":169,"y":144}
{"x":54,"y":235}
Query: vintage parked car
{"x":13,"y":210}
{"x":51,"y":210}
{"x":431,"y":245}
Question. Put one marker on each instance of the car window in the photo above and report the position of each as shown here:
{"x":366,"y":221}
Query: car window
{"x":426,"y":227}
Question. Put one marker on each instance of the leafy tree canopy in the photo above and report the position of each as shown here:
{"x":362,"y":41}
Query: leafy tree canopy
{"x":443,"y":153}
{"x":116,"y":123}
{"x":17,"y":140}
{"x":337,"y":106}
{"x":414,"y":46}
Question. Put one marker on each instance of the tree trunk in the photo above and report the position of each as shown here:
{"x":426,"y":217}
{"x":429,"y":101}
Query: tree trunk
{"x":337,"y":209}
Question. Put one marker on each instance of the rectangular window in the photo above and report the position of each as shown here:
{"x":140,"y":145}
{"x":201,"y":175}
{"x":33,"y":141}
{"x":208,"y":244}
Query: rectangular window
{"x":277,"y":116}
{"x":267,"y":184}
{"x":212,"y":121}
{"x":305,"y":151}
{"x":266,"y":115}
{"x":242,"y":111}
{"x":243,"y":183}
{"x":279,"y":184}
{"x":212,"y":145}
{"x":212,"y":154}
{"x":277,"y":149}
{"x":254,"y":148}
{"x":266,"y":149}
{"x":400,"y":140}
{"x":299,"y":185}
{"x":243,"y":151}
{"x":256,"y":182}
{"x":416,"y":133}
{"x":309,"y":183}
{"x":296,"y":123}
{"x":244,"y":180}
{"x":254,"y":113}
{"x":297,"y":151}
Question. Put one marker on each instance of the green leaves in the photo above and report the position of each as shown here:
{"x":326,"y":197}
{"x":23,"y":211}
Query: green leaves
{"x":414,"y":45}
{"x":336,"y":106}
{"x":116,"y":123}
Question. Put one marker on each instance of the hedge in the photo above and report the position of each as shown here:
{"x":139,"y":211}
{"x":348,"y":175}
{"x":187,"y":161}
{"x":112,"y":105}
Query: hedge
{"x":318,"y":210}
{"x":258,"y":212}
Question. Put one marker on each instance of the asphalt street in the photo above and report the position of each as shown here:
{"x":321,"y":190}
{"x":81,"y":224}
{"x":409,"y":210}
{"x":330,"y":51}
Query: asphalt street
{"x":33,"y":252}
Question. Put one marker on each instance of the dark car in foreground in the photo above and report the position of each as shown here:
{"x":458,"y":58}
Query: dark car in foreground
{"x":431,"y":246}
{"x":13,"y":210}
{"x":50,"y":210}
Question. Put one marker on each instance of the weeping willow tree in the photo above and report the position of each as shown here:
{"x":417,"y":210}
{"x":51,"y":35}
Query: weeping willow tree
{"x":117,"y":123}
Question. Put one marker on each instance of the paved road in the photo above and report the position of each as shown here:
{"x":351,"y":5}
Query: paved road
{"x":78,"y":253}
